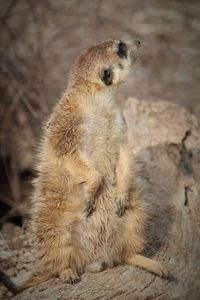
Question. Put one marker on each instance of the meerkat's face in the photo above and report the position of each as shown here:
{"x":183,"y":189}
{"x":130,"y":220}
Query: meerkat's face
{"x":107,"y":64}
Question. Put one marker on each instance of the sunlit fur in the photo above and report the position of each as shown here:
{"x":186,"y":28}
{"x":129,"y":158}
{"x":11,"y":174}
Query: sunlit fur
{"x":84,"y":155}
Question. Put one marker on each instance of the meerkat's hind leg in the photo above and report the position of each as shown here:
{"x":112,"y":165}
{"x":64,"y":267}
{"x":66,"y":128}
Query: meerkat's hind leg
{"x":148,"y":264}
{"x":69,"y":275}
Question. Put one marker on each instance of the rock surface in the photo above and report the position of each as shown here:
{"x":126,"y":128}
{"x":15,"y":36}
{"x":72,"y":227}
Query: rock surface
{"x":166,"y":143}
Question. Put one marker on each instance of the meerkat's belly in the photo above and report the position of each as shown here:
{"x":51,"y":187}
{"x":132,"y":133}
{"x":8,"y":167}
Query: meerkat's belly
{"x":97,"y":234}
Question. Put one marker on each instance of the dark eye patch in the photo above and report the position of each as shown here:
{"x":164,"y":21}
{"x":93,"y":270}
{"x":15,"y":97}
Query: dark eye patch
{"x":122,"y":50}
{"x":107,"y":76}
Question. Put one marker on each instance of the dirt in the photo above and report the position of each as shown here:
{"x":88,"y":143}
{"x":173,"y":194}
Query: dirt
{"x":16,"y":255}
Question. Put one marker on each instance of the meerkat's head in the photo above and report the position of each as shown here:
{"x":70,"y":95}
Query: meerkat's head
{"x":106,"y":65}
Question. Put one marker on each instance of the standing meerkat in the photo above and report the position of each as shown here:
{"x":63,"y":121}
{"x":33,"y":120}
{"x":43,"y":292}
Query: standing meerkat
{"x":87,"y":213}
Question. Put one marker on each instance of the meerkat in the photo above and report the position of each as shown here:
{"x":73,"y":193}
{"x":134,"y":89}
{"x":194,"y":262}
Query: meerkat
{"x":87,"y":213}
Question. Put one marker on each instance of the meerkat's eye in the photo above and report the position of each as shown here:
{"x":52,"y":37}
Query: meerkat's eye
{"x":107,"y":76}
{"x":122,"y":50}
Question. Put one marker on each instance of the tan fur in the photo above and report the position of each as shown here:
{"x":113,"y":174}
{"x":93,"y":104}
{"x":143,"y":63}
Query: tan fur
{"x":85,"y":164}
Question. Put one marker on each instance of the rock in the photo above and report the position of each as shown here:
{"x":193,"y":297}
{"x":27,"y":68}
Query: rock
{"x":8,"y":229}
{"x":4,"y":255}
{"x":12,"y":272}
{"x":166,"y":143}
{"x":21,"y":277}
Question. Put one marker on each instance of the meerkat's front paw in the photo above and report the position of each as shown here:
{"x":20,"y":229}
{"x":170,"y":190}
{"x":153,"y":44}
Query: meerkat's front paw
{"x":90,"y":207}
{"x":90,"y":192}
{"x":122,"y":204}
{"x":70,"y":276}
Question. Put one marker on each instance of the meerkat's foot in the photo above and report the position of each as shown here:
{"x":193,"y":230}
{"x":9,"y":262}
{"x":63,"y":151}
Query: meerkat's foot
{"x":69,"y":275}
{"x":122,"y":205}
{"x":148,"y":264}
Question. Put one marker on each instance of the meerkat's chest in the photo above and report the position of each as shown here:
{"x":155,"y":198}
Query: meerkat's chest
{"x":103,"y":133}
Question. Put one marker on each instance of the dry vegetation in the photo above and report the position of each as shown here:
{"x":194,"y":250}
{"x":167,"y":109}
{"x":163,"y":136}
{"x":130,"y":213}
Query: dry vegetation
{"x":23,"y":105}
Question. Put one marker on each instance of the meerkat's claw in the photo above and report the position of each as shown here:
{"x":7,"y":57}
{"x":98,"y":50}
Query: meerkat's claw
{"x":70,"y":276}
{"x":120,"y":211}
{"x":90,"y":195}
{"x":164,"y":272}
{"x":122,"y":205}
{"x":74,"y":280}
{"x":90,"y":208}
{"x":160,"y":270}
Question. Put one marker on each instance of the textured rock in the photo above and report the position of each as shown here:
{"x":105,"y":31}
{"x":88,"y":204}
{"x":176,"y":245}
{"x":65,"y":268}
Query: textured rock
{"x":166,"y":143}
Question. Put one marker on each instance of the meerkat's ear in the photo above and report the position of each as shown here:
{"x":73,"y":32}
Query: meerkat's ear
{"x":107,"y":76}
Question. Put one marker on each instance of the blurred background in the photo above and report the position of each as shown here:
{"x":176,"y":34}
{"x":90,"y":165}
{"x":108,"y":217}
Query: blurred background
{"x":40,"y":39}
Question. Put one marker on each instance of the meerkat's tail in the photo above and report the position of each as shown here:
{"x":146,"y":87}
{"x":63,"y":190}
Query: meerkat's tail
{"x":34,"y":280}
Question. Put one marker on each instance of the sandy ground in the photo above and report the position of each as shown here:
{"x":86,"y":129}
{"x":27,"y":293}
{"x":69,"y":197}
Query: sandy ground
{"x":16,"y":255}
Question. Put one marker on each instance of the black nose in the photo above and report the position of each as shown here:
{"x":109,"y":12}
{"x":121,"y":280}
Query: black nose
{"x":138,"y":43}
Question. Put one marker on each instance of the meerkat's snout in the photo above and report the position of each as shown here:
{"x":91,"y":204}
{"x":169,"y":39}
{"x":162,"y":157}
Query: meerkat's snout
{"x":119,"y":70}
{"x":137,"y":43}
{"x":134,"y":47}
